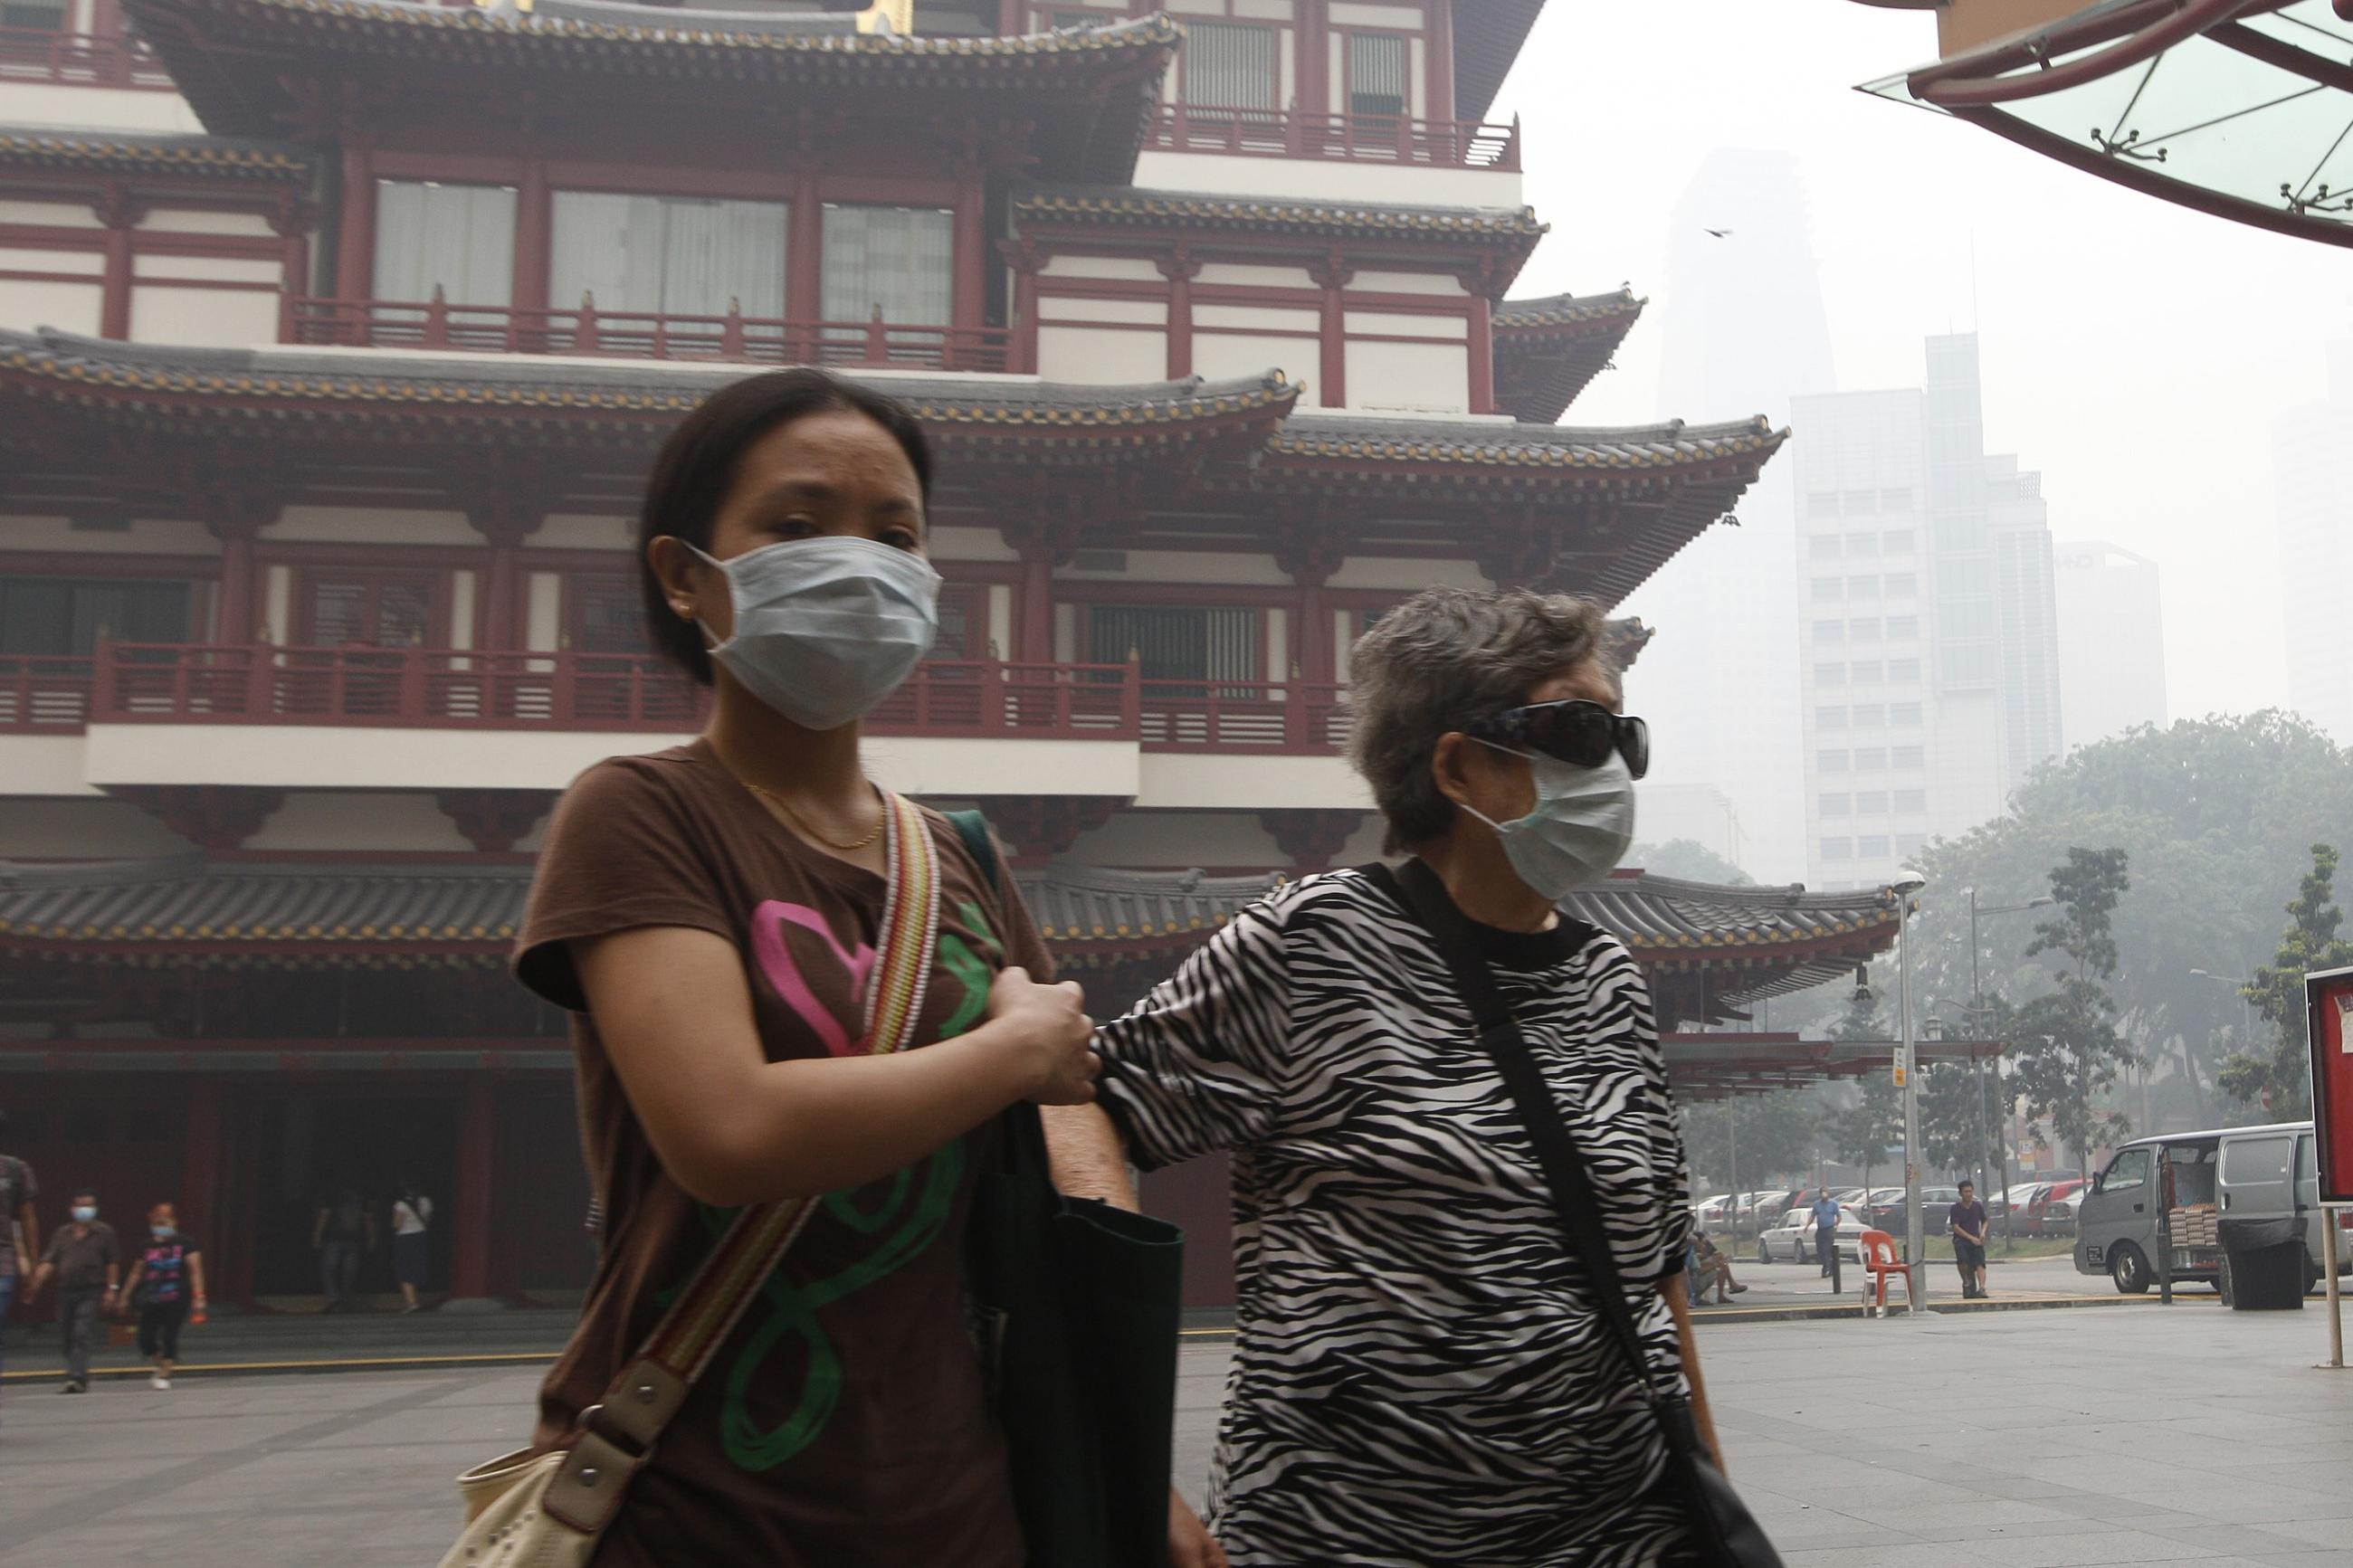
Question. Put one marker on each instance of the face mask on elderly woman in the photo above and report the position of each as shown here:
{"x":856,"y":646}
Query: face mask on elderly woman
{"x":1582,"y":824}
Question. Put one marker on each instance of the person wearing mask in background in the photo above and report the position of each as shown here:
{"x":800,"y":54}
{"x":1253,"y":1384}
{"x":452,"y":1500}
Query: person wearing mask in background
{"x":1967,"y":1222}
{"x":412,"y":1214}
{"x":343,"y":1230}
{"x":710,"y":915}
{"x":87,"y":1265}
{"x":1826,"y":1214}
{"x":20,"y":1231}
{"x":167,"y":1279}
{"x":1421,"y":1373}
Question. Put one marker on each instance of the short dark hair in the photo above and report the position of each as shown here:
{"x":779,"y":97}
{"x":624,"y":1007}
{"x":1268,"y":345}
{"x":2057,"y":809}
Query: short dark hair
{"x":1966,"y":1183}
{"x":696,"y":468}
{"x":91,"y":1192}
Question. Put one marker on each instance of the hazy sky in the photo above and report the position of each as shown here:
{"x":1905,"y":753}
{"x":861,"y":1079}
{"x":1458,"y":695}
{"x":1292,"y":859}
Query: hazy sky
{"x":2134,"y":351}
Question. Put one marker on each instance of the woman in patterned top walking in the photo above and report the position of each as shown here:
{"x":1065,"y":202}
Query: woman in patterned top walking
{"x":1420,"y":1375}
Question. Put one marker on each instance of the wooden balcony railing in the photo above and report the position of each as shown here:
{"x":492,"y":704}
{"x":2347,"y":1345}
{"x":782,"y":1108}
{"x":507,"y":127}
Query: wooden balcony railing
{"x":586,"y":329}
{"x":1352,"y":137}
{"x":43,"y":696}
{"x":435,"y":689}
{"x":79,"y":59}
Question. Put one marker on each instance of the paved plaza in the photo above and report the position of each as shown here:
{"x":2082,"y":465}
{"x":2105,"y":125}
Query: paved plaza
{"x":2038,"y":1440}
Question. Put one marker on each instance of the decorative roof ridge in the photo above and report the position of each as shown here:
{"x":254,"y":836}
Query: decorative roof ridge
{"x":1777,"y":896}
{"x":1129,"y":202}
{"x":154,"y":150}
{"x":25,"y":876}
{"x":1569,"y":310}
{"x":786,"y":33}
{"x":1400,"y":436}
{"x":1111,"y":880}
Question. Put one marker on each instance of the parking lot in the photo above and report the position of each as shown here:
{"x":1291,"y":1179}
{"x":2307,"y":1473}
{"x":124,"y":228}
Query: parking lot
{"x":2034,"y":1439}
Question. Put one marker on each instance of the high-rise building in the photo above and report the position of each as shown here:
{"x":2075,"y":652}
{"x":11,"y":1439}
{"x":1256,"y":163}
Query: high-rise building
{"x":1745,"y":330}
{"x":2313,"y":460}
{"x":1930,"y":657}
{"x":2111,"y":641}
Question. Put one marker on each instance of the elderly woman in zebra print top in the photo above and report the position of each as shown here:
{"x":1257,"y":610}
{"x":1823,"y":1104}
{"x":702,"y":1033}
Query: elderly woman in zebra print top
{"x":1419,"y":1375}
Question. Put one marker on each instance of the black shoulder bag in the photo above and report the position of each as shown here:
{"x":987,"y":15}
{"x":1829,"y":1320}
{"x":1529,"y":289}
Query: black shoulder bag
{"x":1724,"y":1533}
{"x":1075,"y":1305}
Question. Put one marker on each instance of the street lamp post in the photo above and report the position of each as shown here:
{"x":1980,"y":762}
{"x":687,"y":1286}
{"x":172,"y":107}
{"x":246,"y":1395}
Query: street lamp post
{"x":1907,"y":1054}
{"x":1977,"y":1011}
{"x":2238,"y":983}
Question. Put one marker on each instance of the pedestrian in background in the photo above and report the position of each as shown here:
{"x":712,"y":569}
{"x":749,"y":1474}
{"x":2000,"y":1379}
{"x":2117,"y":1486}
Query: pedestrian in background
{"x":343,"y":1230}
{"x":1826,"y":1213}
{"x":412,"y":1215}
{"x":1967,"y":1221}
{"x":87,"y":1264}
{"x":167,"y":1278}
{"x":20,"y":1231}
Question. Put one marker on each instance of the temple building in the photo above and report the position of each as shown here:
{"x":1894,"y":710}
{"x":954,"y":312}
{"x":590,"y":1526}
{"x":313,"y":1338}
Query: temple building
{"x":336,"y":337}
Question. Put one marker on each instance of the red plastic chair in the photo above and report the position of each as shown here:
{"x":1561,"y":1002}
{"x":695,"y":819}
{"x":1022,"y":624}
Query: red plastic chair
{"x":1880,"y":1260}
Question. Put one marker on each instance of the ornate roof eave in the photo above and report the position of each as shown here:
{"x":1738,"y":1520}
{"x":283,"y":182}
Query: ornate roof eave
{"x":1047,"y":208}
{"x":476,"y":398}
{"x":1631,"y":460}
{"x":1548,"y":350}
{"x":135,"y":153}
{"x":240,"y":62}
{"x":1488,"y":37}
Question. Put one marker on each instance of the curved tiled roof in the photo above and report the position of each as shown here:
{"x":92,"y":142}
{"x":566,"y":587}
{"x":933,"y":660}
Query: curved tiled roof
{"x":150,"y":912}
{"x":1592,"y":312}
{"x":241,"y":63}
{"x":308,"y":384}
{"x":135,"y":153}
{"x":1488,"y":35}
{"x":1125,"y":205}
{"x":1674,"y":444}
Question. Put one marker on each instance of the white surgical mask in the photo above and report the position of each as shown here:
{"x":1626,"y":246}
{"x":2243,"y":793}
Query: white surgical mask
{"x":84,"y":1212}
{"x":826,"y":628}
{"x":160,"y":1232}
{"x":1583,"y":821}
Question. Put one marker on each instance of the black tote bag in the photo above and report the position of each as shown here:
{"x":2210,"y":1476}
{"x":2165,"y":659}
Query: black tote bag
{"x":1075,"y":1312}
{"x":1725,"y":1534}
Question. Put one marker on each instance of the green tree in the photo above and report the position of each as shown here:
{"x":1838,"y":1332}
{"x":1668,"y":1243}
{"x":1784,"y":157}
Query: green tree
{"x":1775,"y":1133}
{"x":1951,"y":1117}
{"x":1687,"y":858}
{"x":2069,"y":1050}
{"x":2276,"y":1074}
{"x":1862,"y":1134}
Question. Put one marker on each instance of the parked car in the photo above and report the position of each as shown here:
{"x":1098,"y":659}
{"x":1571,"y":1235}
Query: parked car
{"x":2040,"y":1221}
{"x":1935,"y":1204}
{"x":1709,"y":1213}
{"x":2251,"y":1219}
{"x":1792,"y":1238}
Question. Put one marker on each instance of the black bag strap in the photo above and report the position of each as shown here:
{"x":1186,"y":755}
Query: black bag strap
{"x":972,"y":828}
{"x":1579,"y":1211}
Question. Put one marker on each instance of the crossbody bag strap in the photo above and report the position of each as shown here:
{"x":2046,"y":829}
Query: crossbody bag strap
{"x":617,"y":1437}
{"x":1557,"y":1153}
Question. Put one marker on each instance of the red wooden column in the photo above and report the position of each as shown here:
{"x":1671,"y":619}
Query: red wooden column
{"x":1442,"y":60}
{"x":1314,"y":91}
{"x":1332,"y":275}
{"x":1180,"y":269}
{"x":967,"y":308}
{"x":234,"y":615}
{"x":291,"y":223}
{"x":534,"y":249}
{"x":1025,"y":260}
{"x":200,"y":1160}
{"x":1008,"y":19}
{"x":356,"y":241}
{"x":469,"y":1238}
{"x":1482,"y":354}
{"x":804,"y":239}
{"x":1044,"y":538}
{"x":121,"y":215}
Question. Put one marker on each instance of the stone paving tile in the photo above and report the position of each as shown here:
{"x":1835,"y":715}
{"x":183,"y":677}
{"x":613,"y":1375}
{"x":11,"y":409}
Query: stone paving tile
{"x":2085,"y":1550}
{"x":1910,"y":1554}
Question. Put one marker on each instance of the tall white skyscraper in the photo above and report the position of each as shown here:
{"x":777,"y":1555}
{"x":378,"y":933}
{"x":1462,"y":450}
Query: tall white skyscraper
{"x":1929,"y":664}
{"x":2111,"y":641}
{"x":2313,"y":461}
{"x":1744,"y":333}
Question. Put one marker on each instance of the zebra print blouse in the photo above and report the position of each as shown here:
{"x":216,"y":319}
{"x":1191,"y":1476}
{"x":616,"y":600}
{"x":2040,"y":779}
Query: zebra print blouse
{"x":1418,"y":1378}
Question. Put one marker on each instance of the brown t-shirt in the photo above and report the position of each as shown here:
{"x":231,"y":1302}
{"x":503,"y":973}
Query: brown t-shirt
{"x":843,"y":1423}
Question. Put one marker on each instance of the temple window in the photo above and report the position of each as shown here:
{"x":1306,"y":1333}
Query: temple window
{"x":900,"y":261}
{"x":369,"y":610}
{"x":65,"y":617}
{"x":676,"y":256}
{"x":457,"y":238}
{"x":1229,"y":65}
{"x":1376,"y":67}
{"x":1191,"y":643}
{"x":604,"y":613}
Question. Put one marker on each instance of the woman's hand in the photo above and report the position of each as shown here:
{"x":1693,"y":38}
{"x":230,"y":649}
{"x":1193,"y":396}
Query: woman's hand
{"x":1190,"y":1544}
{"x":1050,"y":1024}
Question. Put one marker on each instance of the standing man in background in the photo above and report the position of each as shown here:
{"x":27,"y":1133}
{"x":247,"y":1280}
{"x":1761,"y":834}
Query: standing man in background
{"x":1826,"y":1223}
{"x":343,"y":1229}
{"x":88,"y":1263}
{"x":20,"y":1231}
{"x":1967,"y":1221}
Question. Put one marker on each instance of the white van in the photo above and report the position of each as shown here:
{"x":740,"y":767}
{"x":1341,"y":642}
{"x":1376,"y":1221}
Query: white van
{"x":2236,"y":1206}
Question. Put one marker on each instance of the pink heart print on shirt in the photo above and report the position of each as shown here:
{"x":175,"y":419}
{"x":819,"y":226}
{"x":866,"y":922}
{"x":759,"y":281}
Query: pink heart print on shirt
{"x":775,"y":960}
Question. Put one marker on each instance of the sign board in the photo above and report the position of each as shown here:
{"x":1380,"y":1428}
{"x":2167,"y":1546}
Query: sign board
{"x":2328,"y":1019}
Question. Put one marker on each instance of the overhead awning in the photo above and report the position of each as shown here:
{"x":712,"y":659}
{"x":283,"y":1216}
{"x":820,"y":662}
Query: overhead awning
{"x":1714,"y":1065}
{"x":2239,"y":107}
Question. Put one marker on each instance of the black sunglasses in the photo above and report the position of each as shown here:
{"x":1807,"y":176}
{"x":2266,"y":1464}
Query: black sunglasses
{"x":1574,"y":731}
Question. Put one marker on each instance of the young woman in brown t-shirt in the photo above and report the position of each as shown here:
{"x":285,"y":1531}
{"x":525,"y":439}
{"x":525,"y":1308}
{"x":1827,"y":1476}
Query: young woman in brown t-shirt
{"x":709,"y":914}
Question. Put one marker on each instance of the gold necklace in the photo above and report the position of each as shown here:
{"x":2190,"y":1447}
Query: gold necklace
{"x":798,"y":821}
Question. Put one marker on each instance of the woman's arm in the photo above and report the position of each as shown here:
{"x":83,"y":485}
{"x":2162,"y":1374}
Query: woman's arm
{"x":674,"y":1010}
{"x":1678,"y":1298}
{"x":1088,"y":1159}
{"x":138,"y":1266}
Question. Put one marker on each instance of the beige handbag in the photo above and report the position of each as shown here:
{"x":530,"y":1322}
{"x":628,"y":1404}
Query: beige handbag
{"x":534,"y":1509}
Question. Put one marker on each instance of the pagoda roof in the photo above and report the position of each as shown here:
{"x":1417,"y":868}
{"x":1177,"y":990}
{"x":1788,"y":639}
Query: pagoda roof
{"x":1130,"y":206}
{"x":143,"y":153}
{"x":1760,"y":942}
{"x":1090,"y":92}
{"x":1547,"y":350}
{"x":1488,"y":37}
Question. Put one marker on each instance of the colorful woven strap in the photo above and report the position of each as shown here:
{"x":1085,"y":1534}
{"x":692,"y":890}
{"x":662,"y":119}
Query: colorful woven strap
{"x":698,"y":1322}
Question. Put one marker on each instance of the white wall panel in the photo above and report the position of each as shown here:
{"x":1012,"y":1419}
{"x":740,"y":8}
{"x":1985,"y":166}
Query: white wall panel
{"x":1126,"y":269}
{"x":182,"y":220}
{"x":54,"y":103}
{"x":1411,"y":377}
{"x":1403,"y":18}
{"x":1320,"y":180}
{"x":68,"y":307}
{"x":48,"y":214}
{"x":1217,"y":355}
{"x":970,"y":544}
{"x":202,"y":318}
{"x":276,"y":606}
{"x":43,"y":766}
{"x":577,"y":531}
{"x":1066,"y":634}
{"x":1266,"y":10}
{"x":1405,"y":324}
{"x":1183,"y":780}
{"x":1102,"y":356}
{"x":145,"y":536}
{"x":542,"y":615}
{"x":1078,"y":308}
{"x":1159,"y":566}
{"x":372,"y":525}
{"x":1278,"y":643}
{"x":262,"y":269}
{"x":38,"y":258}
{"x":360,"y":819}
{"x":1001,"y":618}
{"x":1248,"y":274}
{"x":1380,"y":572}
{"x":1444,"y":283}
{"x":1259,"y":318}
{"x":461,"y":609}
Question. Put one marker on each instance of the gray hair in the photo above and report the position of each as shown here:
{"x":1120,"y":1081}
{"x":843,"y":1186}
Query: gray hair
{"x":1441,"y":661}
